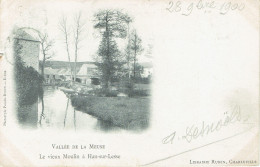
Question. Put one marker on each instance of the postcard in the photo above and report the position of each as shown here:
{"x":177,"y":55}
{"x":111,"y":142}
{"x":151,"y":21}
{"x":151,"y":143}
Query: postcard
{"x":129,"y":83}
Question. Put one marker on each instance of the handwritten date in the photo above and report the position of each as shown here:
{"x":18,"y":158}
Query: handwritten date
{"x":206,"y":6}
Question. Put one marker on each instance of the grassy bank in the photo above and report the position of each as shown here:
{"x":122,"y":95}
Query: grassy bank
{"x":124,"y":112}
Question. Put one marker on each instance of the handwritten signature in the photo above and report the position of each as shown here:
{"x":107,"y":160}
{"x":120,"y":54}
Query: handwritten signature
{"x":206,"y":6}
{"x":194,"y":132}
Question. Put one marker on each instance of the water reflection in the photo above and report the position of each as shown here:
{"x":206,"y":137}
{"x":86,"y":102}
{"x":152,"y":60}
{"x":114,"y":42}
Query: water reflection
{"x":74,"y":119}
{"x":28,"y":115}
{"x":55,"y":111}
{"x":42,"y":113}
{"x":66,"y":111}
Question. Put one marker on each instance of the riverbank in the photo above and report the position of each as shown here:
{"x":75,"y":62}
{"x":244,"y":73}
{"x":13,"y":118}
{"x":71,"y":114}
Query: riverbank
{"x":124,"y":112}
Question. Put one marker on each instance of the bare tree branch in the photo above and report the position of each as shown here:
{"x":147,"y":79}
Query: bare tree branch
{"x":65,"y":31}
{"x":78,"y":32}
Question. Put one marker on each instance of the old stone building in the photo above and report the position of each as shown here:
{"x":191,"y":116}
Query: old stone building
{"x":30,"y":48}
{"x":29,"y":55}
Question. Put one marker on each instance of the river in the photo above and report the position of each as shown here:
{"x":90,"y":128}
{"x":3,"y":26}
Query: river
{"x":56,"y":112}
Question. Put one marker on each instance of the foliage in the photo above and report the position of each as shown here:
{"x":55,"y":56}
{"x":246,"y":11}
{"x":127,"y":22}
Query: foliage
{"x":103,"y":92}
{"x":109,"y":61}
{"x":138,"y":71}
{"x":95,"y":81}
{"x":142,"y":80}
{"x":135,"y":44}
{"x":110,"y":93}
{"x":111,"y":24}
{"x":137,"y":93}
{"x":28,"y":80}
{"x":135,"y":47}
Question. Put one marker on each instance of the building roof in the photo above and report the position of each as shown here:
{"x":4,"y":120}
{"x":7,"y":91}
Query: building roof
{"x":26,"y":34}
{"x":86,"y":69}
{"x":50,"y":71}
{"x":64,"y":64}
{"x":83,"y":68}
{"x":64,"y":72}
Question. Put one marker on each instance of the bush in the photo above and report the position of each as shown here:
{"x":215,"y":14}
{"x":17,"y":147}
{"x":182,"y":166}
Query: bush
{"x":79,"y":102}
{"x":28,"y":81}
{"x":137,"y":93}
{"x":103,"y":92}
{"x":108,"y":93}
{"x":111,"y":94}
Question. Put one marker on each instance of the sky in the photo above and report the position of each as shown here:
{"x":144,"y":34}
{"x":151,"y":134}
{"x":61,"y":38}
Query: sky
{"x":46,"y":16}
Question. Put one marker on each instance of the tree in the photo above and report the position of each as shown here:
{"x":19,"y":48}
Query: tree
{"x":46,"y":45}
{"x":136,"y":48}
{"x":65,"y":30}
{"x":128,"y":57}
{"x":109,"y":66}
{"x":111,"y":25}
{"x":128,"y":50}
{"x":78,"y":32}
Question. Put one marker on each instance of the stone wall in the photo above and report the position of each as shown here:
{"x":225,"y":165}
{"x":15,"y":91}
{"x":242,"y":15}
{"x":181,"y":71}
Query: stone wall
{"x":30,"y":53}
